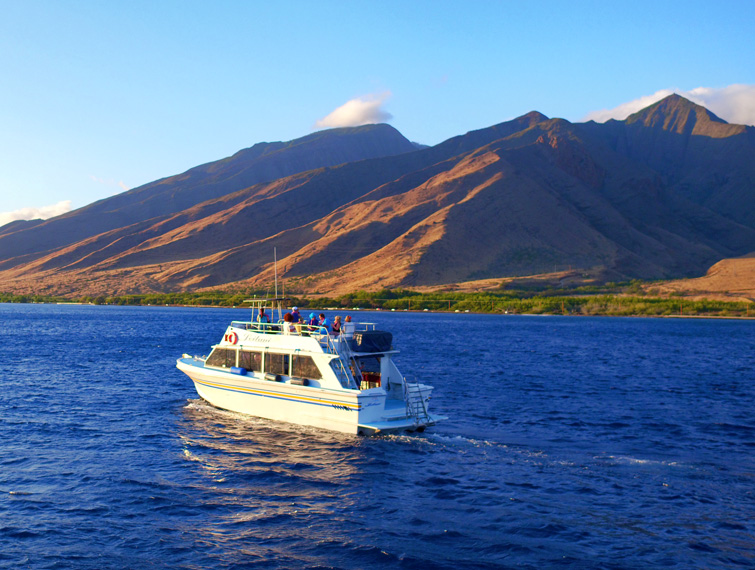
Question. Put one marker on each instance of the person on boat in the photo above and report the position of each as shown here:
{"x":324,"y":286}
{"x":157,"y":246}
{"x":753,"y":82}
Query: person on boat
{"x":336,"y":328}
{"x":295,"y":315}
{"x":324,"y":322}
{"x":313,"y":322}
{"x":288,"y":324}
{"x":297,"y":319}
{"x":262,"y":317}
{"x":348,"y":328}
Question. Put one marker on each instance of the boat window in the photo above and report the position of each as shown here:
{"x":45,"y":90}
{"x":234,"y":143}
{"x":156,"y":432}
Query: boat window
{"x":223,"y":357}
{"x":276,"y":363}
{"x":305,"y":367}
{"x":251,"y":360}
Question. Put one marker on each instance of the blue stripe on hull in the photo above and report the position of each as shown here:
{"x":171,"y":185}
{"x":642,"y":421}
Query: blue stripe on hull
{"x":278,"y":396}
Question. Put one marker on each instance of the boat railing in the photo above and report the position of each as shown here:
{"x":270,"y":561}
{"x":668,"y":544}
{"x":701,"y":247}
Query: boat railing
{"x":301,"y":329}
{"x":339,"y":347}
{"x":414,"y":399}
{"x":336,"y":344}
{"x":266,"y":328}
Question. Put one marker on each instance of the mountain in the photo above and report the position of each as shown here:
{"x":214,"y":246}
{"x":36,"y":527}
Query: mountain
{"x":263,"y":162}
{"x":728,"y":280}
{"x":665,"y":193}
{"x":17,"y":225}
{"x":696,"y":153}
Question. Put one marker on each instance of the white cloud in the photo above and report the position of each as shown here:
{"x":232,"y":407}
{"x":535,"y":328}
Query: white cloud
{"x":734,"y":104}
{"x":35,"y":213}
{"x":625,"y":109}
{"x":109,"y":182}
{"x":360,"y":111}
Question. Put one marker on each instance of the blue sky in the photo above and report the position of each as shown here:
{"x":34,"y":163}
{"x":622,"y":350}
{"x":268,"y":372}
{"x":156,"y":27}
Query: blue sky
{"x":97,"y":97}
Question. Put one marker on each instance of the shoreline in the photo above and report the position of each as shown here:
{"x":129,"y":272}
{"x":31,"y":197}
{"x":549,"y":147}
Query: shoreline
{"x":330,"y":308}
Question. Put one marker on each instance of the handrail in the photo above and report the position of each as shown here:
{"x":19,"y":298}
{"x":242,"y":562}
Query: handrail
{"x":336,"y":345}
{"x":414,"y":399}
{"x":302,"y":329}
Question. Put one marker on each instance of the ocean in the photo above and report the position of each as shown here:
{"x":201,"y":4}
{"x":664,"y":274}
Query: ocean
{"x":571,"y":442}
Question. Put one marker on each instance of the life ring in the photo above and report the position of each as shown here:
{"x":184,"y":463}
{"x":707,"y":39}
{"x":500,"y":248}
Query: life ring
{"x":233,"y":338}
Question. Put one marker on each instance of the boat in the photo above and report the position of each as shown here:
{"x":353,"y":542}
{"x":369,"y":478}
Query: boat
{"x":284,"y":371}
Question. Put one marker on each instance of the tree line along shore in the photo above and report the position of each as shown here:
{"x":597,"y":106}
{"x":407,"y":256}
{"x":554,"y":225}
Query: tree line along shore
{"x":612,"y":300}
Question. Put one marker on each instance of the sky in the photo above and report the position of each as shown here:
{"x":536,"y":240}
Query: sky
{"x":100,"y":97}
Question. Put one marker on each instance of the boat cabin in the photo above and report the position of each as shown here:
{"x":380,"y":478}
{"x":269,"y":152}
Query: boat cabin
{"x":358,"y":358}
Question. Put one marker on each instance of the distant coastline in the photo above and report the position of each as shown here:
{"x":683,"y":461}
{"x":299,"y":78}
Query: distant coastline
{"x":570,"y":302}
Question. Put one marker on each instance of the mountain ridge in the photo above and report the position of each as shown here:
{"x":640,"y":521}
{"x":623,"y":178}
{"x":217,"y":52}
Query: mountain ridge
{"x":664,"y":193}
{"x":260,"y":163}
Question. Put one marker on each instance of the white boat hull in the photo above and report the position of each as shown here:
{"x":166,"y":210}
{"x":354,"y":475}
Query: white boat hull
{"x":348,"y":411}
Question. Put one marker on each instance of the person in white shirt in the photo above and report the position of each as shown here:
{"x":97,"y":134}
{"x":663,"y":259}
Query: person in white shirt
{"x":348,"y":328}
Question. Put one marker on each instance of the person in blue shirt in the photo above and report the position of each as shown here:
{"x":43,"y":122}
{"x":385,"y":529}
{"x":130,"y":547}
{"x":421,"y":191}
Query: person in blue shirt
{"x":324,"y":322}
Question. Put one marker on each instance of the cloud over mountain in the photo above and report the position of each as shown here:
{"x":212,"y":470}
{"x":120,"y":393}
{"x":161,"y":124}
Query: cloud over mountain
{"x":359,"y":111}
{"x":109,"y":182}
{"x":734,"y":103}
{"x":43,"y":213}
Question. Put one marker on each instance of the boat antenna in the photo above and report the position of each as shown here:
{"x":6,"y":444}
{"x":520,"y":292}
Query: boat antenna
{"x":275,"y":262}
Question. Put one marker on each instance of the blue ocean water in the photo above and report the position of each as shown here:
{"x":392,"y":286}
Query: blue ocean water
{"x":571,"y":443}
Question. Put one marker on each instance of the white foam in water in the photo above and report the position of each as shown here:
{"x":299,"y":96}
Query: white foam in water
{"x":637,"y":461}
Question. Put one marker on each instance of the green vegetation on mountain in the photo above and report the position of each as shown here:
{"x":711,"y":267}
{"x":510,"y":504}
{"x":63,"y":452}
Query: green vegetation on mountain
{"x":610,"y":300}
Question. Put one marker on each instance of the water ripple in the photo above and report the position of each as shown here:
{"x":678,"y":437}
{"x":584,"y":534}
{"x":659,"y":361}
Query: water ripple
{"x":571,"y":443}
